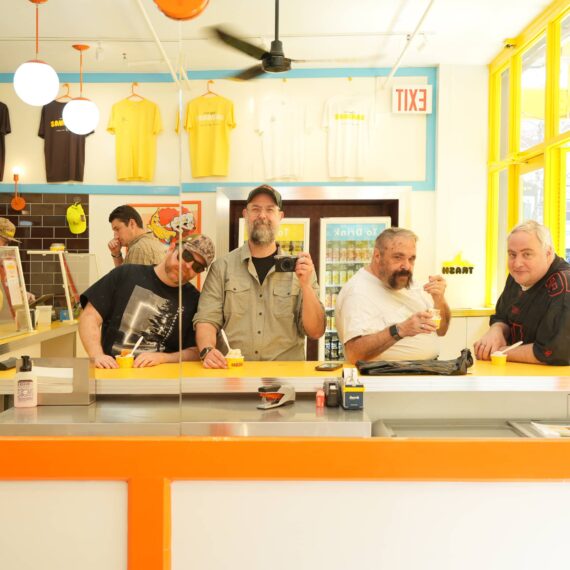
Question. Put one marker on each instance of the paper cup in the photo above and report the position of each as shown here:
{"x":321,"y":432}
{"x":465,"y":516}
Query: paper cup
{"x":125,"y":361}
{"x":234,"y":361}
{"x":499,"y":359}
{"x":436,"y":317}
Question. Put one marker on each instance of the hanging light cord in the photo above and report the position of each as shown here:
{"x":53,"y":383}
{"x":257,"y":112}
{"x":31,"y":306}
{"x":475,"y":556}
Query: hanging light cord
{"x":80,"y":73}
{"x":37,"y":30}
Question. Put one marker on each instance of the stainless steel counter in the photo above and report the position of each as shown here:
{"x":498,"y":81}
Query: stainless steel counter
{"x":199,"y":416}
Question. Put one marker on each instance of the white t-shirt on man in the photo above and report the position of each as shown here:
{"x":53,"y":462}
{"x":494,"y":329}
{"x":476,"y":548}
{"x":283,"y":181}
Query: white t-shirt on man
{"x":366,"y":306}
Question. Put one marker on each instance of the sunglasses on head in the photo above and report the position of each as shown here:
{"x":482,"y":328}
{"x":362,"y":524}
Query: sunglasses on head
{"x":188,"y":257}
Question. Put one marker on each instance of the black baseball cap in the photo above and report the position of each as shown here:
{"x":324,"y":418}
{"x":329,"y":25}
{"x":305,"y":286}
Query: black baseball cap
{"x":265,"y":189}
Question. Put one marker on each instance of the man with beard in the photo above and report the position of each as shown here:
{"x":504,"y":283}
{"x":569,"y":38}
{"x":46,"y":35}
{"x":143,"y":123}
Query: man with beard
{"x":264,"y":313}
{"x":382,"y":315}
{"x":534,"y":306}
{"x":141,"y":300}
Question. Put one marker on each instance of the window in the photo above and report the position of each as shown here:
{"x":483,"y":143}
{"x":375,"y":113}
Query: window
{"x":505,"y":123}
{"x":532,"y":192}
{"x":533,"y":82}
{"x":564,"y":104}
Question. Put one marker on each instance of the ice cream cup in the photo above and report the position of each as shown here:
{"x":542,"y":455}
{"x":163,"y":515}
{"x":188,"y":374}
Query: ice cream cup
{"x":234,"y":361}
{"x":436,"y":317}
{"x":499,"y":359}
{"x":125,"y":361}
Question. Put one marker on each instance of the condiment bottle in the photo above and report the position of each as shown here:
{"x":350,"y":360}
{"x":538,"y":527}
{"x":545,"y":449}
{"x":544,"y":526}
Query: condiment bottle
{"x":25,"y":386}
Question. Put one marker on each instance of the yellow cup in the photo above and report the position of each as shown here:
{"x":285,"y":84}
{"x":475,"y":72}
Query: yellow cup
{"x":436,"y":317}
{"x":234,"y":361}
{"x":125,"y":361}
{"x":499,"y":359}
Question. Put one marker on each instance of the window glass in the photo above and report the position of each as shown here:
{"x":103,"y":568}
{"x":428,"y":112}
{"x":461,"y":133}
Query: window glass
{"x":532,"y":187}
{"x":533,"y":81}
{"x":567,"y":205}
{"x":504,"y":125}
{"x":503,"y":230}
{"x":564,"y":108}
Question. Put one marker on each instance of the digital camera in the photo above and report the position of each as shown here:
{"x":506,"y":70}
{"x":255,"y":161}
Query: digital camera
{"x":285,"y":263}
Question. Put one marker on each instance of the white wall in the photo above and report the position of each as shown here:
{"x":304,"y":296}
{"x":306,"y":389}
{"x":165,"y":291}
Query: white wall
{"x":369,"y":525}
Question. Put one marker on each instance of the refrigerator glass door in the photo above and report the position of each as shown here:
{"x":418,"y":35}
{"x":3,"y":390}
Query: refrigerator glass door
{"x":346,"y":246}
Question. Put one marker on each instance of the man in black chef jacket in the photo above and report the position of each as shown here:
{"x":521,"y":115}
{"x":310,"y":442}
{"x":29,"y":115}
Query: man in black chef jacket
{"x":535,"y":304}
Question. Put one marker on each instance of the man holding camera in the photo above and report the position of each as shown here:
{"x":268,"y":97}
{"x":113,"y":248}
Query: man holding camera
{"x":265,"y":303}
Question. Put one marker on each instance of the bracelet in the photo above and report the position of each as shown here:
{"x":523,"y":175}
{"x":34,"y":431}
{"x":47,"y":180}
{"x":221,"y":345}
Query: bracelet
{"x":117,"y":256}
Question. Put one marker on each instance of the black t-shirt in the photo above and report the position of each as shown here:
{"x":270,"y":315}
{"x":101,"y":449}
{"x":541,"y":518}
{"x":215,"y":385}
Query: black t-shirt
{"x":4,"y":130}
{"x":541,"y":314}
{"x":263,"y":265}
{"x":134,"y":302}
{"x":64,"y":151}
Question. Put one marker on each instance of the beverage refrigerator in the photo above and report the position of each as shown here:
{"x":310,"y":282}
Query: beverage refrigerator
{"x":346,"y":245}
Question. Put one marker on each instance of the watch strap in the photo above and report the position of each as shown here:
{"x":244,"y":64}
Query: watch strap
{"x":394,"y":332}
{"x":204,"y":352}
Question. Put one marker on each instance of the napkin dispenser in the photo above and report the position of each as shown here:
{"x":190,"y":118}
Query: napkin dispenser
{"x":351,"y":390}
{"x":64,"y":381}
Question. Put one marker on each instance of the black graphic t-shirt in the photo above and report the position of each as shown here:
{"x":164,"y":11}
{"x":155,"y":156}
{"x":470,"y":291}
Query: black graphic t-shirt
{"x":134,"y":302}
{"x":540,"y":315}
{"x":64,"y":151}
{"x":4,"y":130}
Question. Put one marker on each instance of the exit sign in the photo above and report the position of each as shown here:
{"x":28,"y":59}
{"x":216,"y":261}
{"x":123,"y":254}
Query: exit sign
{"x":411,"y":99}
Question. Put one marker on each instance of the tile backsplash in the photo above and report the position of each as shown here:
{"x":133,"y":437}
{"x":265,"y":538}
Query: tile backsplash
{"x":41,"y":223}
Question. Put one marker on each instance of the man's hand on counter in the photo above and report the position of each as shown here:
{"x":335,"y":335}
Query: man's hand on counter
{"x":145,"y":359}
{"x":105,"y":361}
{"x":214,"y":359}
{"x":491,"y":341}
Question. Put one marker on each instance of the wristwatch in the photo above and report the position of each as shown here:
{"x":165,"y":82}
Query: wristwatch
{"x":394,"y":333}
{"x":204,"y":352}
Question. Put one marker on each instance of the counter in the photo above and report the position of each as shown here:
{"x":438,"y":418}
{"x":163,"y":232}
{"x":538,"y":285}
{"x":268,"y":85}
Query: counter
{"x":256,"y":483}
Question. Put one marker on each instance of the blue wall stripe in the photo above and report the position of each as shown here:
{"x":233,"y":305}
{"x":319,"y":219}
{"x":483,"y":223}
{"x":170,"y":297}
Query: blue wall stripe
{"x":428,"y":184}
{"x":111,"y":189}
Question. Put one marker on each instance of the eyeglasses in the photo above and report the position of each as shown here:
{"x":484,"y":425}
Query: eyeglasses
{"x":258,"y":210}
{"x":188,"y":257}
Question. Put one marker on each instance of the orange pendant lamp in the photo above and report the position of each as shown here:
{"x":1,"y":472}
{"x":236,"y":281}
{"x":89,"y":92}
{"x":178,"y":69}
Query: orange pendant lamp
{"x":80,"y":115}
{"x":182,"y":9}
{"x":35,"y":82}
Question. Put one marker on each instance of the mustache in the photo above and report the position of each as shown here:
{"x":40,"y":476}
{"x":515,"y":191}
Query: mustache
{"x":400,"y":273}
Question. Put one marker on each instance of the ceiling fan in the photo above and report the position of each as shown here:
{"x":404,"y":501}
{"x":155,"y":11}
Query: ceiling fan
{"x":272,"y":61}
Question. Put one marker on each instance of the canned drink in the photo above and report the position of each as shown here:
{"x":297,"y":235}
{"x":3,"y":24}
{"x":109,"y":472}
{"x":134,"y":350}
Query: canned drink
{"x":336,"y":277}
{"x":328,"y":299}
{"x":333,"y":299}
{"x":328,"y":277}
{"x":342,"y":275}
{"x":329,"y":253}
{"x":343,"y":253}
{"x":350,"y":252}
{"x":335,"y":252}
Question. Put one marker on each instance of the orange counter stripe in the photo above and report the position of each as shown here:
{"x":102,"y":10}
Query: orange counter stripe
{"x":149,"y":465}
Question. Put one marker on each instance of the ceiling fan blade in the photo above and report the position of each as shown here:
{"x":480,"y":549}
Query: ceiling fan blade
{"x":361,"y":59}
{"x":250,"y":73}
{"x":239,"y":44}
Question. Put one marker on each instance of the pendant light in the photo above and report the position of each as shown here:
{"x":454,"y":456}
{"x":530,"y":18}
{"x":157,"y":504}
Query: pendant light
{"x":35,"y":82}
{"x":80,"y":115}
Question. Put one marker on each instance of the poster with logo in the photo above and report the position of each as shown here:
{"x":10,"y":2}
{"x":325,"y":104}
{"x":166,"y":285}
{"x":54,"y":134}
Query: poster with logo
{"x":166,"y":220}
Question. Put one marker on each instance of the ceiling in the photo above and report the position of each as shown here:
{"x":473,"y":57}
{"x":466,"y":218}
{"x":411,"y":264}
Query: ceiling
{"x":467,"y":32}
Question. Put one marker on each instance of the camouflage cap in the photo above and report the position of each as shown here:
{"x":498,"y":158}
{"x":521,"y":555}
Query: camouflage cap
{"x":8,"y":230}
{"x":202,"y":245}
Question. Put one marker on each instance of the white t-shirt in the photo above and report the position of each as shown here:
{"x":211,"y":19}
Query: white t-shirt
{"x":366,"y":306}
{"x":349,"y":122}
{"x":281,"y":123}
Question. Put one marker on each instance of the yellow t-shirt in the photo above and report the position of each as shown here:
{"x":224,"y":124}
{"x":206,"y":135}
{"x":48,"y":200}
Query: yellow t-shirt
{"x":209,"y":121}
{"x":135,"y":124}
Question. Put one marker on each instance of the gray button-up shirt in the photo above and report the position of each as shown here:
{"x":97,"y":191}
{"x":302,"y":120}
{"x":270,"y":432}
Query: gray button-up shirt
{"x":264,"y":321}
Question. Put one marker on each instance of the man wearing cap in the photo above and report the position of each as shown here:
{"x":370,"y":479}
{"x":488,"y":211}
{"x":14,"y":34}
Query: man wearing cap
{"x":265,"y":313}
{"x":142,"y":247}
{"x":140,"y":300}
{"x":7,"y":233}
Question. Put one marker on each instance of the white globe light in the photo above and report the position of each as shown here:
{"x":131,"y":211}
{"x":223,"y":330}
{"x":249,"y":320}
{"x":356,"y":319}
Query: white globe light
{"x":36,"y":83}
{"x":81,"y":116}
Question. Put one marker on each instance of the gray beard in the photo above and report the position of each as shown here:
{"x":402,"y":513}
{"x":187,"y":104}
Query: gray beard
{"x":262,"y":234}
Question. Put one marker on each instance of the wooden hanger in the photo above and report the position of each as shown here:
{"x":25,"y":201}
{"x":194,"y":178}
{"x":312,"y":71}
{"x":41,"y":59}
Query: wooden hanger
{"x":134,"y":93}
{"x":66,"y":95}
{"x":208,"y":90}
